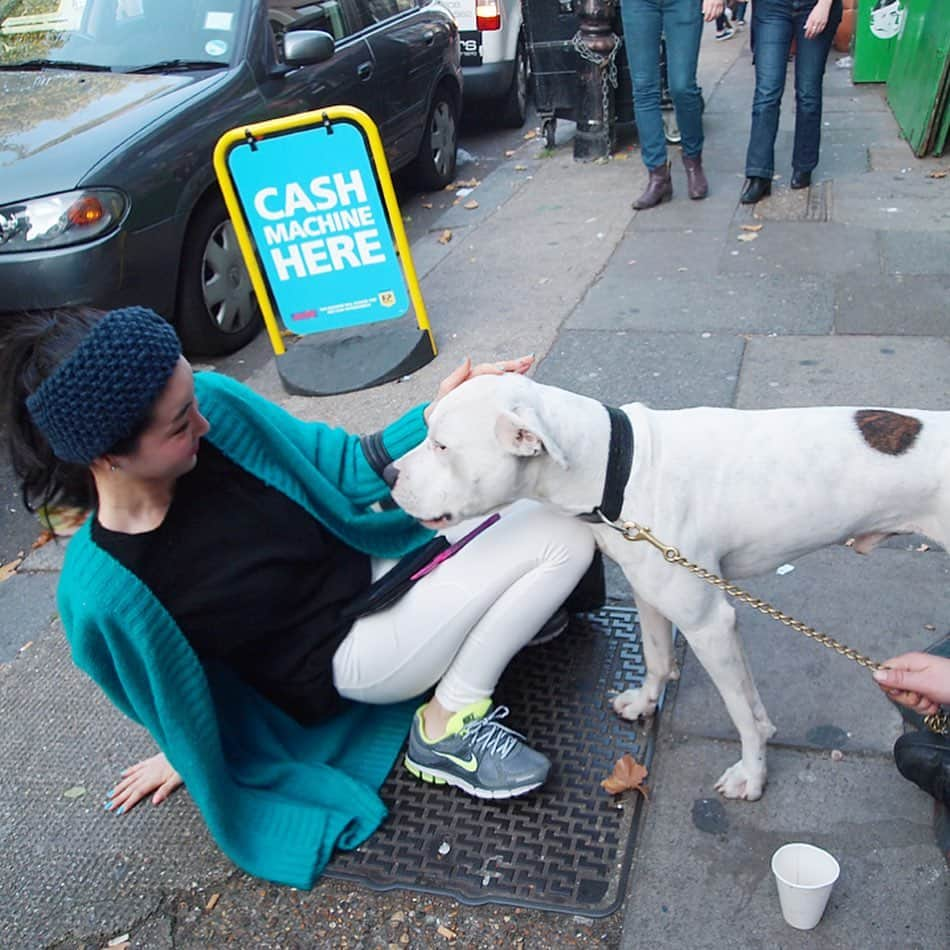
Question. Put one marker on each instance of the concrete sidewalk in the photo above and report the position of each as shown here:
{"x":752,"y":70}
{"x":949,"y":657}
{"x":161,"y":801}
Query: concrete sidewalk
{"x":840,"y":297}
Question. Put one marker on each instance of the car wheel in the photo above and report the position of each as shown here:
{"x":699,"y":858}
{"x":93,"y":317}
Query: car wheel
{"x":434,"y":166}
{"x":217,"y":308}
{"x":514,"y":109}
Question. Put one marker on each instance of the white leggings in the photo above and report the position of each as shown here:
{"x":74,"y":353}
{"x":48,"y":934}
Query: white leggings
{"x":459,"y":626}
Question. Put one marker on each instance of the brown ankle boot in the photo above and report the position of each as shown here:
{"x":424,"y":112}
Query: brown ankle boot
{"x":659,"y":189}
{"x":696,"y":184}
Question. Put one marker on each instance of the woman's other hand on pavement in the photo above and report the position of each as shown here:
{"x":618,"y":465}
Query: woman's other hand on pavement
{"x":151,"y":775}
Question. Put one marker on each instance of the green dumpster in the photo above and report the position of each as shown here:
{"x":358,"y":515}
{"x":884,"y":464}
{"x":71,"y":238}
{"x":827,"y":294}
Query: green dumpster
{"x":918,"y":85}
{"x":876,"y":28}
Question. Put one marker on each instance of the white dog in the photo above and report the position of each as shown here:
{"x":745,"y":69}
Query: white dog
{"x":738,"y":492}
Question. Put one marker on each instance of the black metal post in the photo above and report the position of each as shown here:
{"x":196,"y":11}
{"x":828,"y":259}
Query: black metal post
{"x":595,"y":42}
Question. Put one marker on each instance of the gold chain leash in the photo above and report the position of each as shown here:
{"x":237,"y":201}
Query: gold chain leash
{"x":938,"y":722}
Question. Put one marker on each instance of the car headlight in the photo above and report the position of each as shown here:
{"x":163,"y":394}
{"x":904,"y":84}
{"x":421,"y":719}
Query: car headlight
{"x":60,"y":220}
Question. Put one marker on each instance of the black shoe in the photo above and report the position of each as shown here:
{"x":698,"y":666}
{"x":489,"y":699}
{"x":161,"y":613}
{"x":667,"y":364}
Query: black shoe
{"x":924,"y":759}
{"x":801,"y":180}
{"x":755,"y":190}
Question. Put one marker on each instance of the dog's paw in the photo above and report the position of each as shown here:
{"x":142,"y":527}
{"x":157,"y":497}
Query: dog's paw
{"x":736,"y":782}
{"x":634,"y":703}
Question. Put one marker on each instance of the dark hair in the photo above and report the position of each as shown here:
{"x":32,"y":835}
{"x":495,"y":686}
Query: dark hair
{"x":32,"y":346}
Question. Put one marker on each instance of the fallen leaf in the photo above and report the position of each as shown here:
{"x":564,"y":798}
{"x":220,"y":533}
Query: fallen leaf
{"x":445,"y":932}
{"x":9,"y":569}
{"x":747,"y":237}
{"x":77,"y":791}
{"x":468,"y":183}
{"x":751,"y":227}
{"x":521,"y":168}
{"x":627,"y":773}
{"x":939,"y":173}
{"x":116,"y":941}
{"x":445,"y":236}
{"x":923,"y":547}
{"x":533,"y":134}
{"x":470,"y":205}
{"x":398,"y":918}
{"x":212,"y":900}
{"x":426,"y":204}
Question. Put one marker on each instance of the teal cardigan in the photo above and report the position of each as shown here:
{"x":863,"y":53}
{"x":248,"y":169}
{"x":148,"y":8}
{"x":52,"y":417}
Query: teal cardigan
{"x":277,"y":796}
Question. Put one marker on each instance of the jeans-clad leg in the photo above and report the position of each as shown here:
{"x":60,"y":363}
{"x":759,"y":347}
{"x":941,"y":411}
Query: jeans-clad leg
{"x":683,"y":26}
{"x":642,"y":23}
{"x":772,"y":25}
{"x":810,"y":63}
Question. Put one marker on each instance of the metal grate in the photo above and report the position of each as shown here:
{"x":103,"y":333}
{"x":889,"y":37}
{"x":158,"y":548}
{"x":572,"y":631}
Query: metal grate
{"x":566,"y":847}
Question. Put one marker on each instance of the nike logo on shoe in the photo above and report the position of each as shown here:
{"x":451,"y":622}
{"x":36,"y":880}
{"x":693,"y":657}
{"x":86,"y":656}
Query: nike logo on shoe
{"x":470,"y":765}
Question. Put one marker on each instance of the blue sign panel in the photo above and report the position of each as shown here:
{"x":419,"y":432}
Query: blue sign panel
{"x":317,"y":219}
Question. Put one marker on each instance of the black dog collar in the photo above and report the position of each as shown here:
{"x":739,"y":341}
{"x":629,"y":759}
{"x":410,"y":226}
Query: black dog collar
{"x":619,"y":463}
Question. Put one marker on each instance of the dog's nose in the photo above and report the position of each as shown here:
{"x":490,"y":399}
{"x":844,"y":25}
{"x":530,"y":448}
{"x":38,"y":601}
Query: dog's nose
{"x":390,"y":474}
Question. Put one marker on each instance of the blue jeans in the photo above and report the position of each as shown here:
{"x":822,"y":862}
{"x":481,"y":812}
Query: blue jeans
{"x":681,"y":21}
{"x":774,"y":23}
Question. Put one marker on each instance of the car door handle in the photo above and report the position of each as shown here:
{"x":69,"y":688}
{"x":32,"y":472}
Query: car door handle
{"x":364,"y":70}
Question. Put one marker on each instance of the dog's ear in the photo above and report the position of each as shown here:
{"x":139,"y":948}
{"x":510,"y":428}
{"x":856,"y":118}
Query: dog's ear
{"x":521,"y":432}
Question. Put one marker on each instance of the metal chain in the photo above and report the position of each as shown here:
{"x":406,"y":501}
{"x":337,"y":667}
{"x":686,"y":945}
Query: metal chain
{"x":607,"y":65}
{"x":938,"y":722}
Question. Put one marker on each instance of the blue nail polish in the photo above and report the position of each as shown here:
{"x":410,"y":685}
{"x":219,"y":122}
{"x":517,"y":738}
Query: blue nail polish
{"x":107,"y":805}
{"x":121,"y":809}
{"x":110,"y":793}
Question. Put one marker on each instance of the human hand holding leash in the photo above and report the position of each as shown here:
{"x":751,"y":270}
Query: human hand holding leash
{"x":919,"y":681}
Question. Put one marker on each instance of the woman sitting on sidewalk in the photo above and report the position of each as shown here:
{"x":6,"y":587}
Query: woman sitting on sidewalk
{"x":207,"y":594}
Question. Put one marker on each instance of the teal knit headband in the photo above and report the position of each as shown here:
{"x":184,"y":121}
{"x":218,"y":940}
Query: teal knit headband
{"x":106,"y":388}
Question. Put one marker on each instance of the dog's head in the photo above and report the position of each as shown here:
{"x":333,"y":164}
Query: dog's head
{"x":486,"y":440}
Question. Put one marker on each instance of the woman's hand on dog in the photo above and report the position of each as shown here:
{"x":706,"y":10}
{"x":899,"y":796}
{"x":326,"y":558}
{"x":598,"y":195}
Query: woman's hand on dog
{"x":467,"y":371}
{"x":919,"y":681}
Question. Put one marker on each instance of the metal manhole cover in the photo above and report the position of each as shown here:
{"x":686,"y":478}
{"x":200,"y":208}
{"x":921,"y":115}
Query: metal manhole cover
{"x":567,"y":847}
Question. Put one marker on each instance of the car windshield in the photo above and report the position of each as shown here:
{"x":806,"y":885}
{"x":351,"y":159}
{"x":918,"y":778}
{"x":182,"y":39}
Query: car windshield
{"x":122,"y":35}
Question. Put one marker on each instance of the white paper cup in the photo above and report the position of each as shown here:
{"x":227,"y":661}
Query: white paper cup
{"x":804,"y":876}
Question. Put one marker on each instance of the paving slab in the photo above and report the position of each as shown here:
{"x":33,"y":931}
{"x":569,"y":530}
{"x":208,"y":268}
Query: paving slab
{"x":882,"y":605}
{"x":893,"y":201}
{"x":662,"y":370}
{"x":681,"y":213}
{"x":883,"y":303}
{"x":802,"y":247}
{"x":27,"y":606}
{"x":895,"y":371}
{"x":917,"y":252}
{"x":772,"y":304}
{"x":679,"y":253}
{"x":704,"y":880}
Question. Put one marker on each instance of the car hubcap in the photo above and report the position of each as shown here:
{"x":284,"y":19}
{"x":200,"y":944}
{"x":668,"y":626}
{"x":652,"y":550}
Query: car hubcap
{"x":443,"y":138}
{"x":228,"y":294}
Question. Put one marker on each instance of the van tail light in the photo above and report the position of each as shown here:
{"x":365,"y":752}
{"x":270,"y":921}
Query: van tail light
{"x":487,"y":15}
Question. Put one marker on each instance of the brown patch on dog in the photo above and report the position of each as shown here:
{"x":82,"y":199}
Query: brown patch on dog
{"x":888,"y":432}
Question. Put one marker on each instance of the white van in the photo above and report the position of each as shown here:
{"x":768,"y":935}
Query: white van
{"x":494,"y":55}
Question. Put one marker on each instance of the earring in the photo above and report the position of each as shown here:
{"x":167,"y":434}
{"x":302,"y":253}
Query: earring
{"x":113,"y":467}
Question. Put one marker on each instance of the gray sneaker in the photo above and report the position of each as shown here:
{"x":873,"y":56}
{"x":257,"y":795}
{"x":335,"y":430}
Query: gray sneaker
{"x":477,"y":754}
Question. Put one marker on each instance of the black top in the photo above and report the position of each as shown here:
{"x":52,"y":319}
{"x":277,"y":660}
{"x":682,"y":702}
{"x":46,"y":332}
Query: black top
{"x":252,"y":579}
